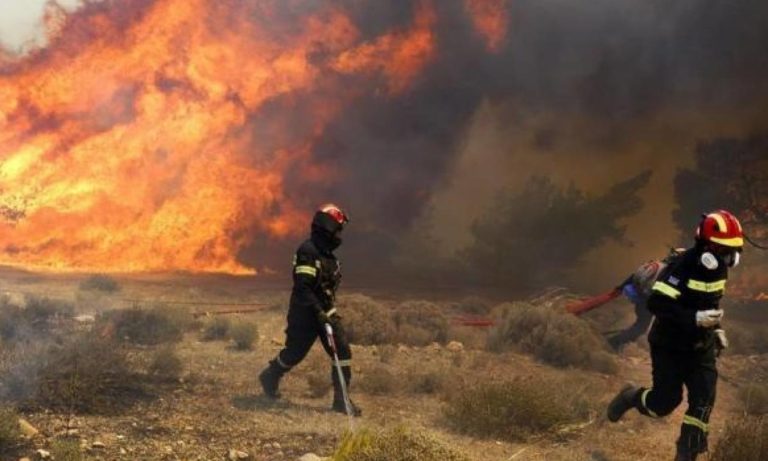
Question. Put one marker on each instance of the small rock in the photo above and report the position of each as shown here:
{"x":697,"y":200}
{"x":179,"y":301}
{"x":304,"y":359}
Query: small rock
{"x":98,"y":445}
{"x":24,"y":459}
{"x":310,"y":457}
{"x":73,"y":432}
{"x":455,"y":346}
{"x":123,"y":452}
{"x":276,"y":446}
{"x":27,"y":429}
{"x":236,"y":455}
{"x":43,"y":454}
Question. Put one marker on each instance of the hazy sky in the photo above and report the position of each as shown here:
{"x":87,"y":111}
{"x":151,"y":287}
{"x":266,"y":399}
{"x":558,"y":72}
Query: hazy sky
{"x":20,"y":20}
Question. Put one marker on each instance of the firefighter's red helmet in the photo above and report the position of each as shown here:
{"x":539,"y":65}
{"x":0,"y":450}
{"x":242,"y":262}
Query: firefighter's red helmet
{"x":335,"y":212}
{"x":720,"y":227}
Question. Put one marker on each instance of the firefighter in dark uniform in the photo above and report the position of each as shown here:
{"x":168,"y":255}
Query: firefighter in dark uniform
{"x":686,"y":336}
{"x":316,"y":277}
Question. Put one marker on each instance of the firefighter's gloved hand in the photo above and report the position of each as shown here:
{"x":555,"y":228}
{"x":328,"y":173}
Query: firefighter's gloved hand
{"x":709,"y":318}
{"x":330,"y":317}
{"x":722,"y":339}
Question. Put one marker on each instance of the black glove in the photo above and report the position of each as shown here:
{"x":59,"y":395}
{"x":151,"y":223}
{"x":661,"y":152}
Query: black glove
{"x":329,"y":316}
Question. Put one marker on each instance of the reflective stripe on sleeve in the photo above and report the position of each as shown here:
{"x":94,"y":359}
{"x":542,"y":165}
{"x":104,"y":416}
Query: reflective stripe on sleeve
{"x":706,"y":287}
{"x":307,"y":270}
{"x":666,"y":289}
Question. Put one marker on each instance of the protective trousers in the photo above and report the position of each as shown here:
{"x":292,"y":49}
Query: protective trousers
{"x":672,"y":369}
{"x":302,"y":332}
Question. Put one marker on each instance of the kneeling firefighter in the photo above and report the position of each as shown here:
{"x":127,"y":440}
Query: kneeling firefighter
{"x":686,"y":336}
{"x":316,"y":277}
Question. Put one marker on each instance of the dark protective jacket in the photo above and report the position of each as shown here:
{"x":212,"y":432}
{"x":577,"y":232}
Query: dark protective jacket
{"x":316,"y":277}
{"x":683,"y":288}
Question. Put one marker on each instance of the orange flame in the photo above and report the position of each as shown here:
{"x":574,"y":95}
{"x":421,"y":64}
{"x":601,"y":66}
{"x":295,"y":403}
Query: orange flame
{"x":127,"y":145}
{"x":490,"y":20}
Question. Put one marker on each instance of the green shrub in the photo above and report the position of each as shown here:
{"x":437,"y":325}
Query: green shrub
{"x":515,"y":410}
{"x":165,"y":364}
{"x":420,"y":323}
{"x":100,"y":282}
{"x":10,"y":434}
{"x":754,"y":396}
{"x":156,"y":325}
{"x":551,"y":336}
{"x":366,"y":321}
{"x":744,"y":439}
{"x":398,"y":444}
{"x":66,"y":450}
{"x":216,"y":329}
{"x":243,"y":334}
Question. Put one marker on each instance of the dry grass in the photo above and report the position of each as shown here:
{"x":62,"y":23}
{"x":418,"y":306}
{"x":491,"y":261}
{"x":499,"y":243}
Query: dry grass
{"x":244,"y":333}
{"x":754,"y":396}
{"x":66,"y":450}
{"x":379,"y":380}
{"x":551,"y":336}
{"x":165,"y":364}
{"x":516,"y":410}
{"x":147,"y":326}
{"x":10,"y":435}
{"x":217,"y":329}
{"x":744,"y":439}
{"x":366,"y":321}
{"x":398,"y":444}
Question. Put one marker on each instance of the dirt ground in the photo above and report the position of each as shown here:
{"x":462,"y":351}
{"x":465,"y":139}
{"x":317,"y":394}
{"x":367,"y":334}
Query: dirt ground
{"x":217,"y":407}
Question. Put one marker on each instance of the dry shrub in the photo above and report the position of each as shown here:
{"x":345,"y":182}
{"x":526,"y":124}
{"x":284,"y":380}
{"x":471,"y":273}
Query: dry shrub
{"x":216,"y":329}
{"x":32,"y":321}
{"x":318,"y":374}
{"x":551,"y":336}
{"x":755,"y":399}
{"x":40,"y":310}
{"x":748,"y":339}
{"x":366,"y":321}
{"x":151,"y":326}
{"x":100,"y":282}
{"x":244,"y":334}
{"x":66,"y":450}
{"x":379,"y":380}
{"x":399,"y":444}
{"x":165,"y":364}
{"x":387,"y":353}
{"x":430,"y":381}
{"x":474,"y":305}
{"x":744,"y":439}
{"x":86,"y":374}
{"x":515,"y":410}
{"x":420,"y":323}
{"x":10,"y":434}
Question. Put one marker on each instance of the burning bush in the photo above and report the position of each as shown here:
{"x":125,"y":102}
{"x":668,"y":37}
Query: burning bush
{"x":243,"y":334}
{"x":550,"y":336}
{"x":398,"y":444}
{"x":515,"y":410}
{"x":755,"y":399}
{"x":744,"y":439}
{"x":100,"y":282}
{"x":420,"y":323}
{"x":151,"y":326}
{"x":366,"y":321}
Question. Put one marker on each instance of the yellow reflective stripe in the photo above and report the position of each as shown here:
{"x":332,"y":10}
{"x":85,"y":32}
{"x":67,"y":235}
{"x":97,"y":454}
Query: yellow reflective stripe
{"x":707,"y":287}
{"x":721,"y":225}
{"x":642,"y":401}
{"x":668,"y":290}
{"x":345,"y":363}
{"x":308,"y":270}
{"x":691,"y":421}
{"x":735,"y":242}
{"x":330,"y":312}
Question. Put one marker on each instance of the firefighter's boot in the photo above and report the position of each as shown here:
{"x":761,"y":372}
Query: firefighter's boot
{"x":338,"y":393}
{"x":685,"y":455}
{"x":624,"y":401}
{"x":270,"y":379}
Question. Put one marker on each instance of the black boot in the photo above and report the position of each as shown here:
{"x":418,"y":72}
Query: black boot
{"x":685,"y":455}
{"x":270,"y":379}
{"x":338,"y":394}
{"x":624,"y":401}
